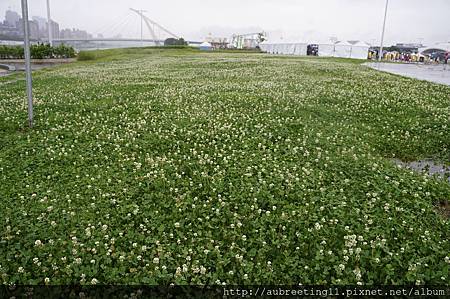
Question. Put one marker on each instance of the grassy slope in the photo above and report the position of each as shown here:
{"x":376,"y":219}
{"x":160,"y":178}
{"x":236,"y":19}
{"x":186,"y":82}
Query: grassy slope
{"x":257,"y":158}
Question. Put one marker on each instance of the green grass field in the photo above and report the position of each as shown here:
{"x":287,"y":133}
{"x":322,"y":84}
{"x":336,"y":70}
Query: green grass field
{"x":175,"y":166}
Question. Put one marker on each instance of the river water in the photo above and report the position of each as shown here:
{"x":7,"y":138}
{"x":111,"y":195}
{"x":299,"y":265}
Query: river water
{"x":92,"y":45}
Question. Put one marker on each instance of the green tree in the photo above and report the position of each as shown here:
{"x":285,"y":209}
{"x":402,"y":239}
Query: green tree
{"x":175,"y":42}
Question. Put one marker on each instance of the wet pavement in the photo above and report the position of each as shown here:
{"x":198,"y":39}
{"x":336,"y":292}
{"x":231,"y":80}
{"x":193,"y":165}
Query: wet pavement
{"x":4,"y":73}
{"x":428,"y":167}
{"x":434,"y":73}
{"x":36,"y":64}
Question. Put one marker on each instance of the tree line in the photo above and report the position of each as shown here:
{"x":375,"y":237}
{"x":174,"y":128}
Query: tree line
{"x":38,"y":51}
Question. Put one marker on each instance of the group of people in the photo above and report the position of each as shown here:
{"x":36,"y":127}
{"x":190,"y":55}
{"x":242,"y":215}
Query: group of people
{"x":410,"y":57}
{"x":438,"y":57}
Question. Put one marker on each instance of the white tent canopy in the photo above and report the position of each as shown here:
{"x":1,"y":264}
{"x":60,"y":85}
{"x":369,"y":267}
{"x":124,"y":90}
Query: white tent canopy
{"x":301,"y":49}
{"x":205,"y":44}
{"x":342,"y":49}
{"x":440,"y":47}
{"x":285,"y":48}
{"x":360,"y":50}
{"x":326,"y":50}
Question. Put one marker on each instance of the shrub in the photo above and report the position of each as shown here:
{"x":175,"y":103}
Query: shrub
{"x":38,"y":51}
{"x":175,"y":42}
{"x":86,"y":56}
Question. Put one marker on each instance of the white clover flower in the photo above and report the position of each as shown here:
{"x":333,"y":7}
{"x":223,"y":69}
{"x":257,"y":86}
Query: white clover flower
{"x":47,"y":280}
{"x":156,"y":260}
{"x":178,"y":271}
{"x":94,"y":281}
{"x":38,"y":243}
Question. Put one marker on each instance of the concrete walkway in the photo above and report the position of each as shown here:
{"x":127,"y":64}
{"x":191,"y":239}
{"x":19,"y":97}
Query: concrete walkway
{"x":434,"y":73}
{"x":10,"y":66}
{"x":4,"y":72}
{"x":36,"y":64}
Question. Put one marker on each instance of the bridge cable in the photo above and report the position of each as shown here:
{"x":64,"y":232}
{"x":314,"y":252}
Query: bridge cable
{"x":105,"y":27}
{"x":113,"y":29}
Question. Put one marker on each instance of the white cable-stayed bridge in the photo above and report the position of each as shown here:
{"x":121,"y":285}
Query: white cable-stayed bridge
{"x":132,"y":29}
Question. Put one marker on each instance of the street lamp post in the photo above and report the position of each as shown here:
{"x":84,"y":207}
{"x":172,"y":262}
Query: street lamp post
{"x":26,"y":32}
{"x":49,"y":25}
{"x":380,"y":55}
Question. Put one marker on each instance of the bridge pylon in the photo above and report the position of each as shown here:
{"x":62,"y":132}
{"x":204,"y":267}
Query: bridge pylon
{"x":149,"y":22}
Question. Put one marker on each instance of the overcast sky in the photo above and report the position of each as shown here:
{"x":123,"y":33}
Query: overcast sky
{"x":312,"y":20}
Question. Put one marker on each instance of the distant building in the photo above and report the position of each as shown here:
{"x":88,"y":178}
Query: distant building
{"x":12,"y":28}
{"x":34,"y":29}
{"x":247,"y":41}
{"x":74,"y":34}
{"x":11,"y":18}
{"x":218,"y":42}
{"x":9,"y":32}
{"x":55,"y":30}
{"x":43,"y":29}
{"x":65,"y":34}
{"x":42,"y":22}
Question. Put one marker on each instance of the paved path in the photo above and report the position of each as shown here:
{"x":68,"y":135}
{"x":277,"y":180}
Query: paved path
{"x":36,"y":64}
{"x":4,"y":73}
{"x":433,"y":73}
